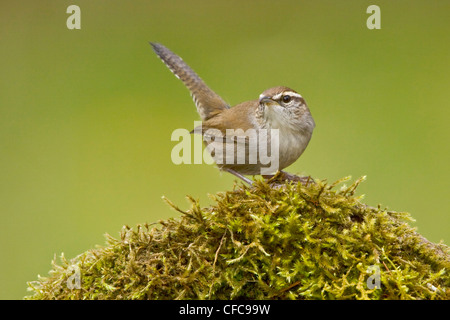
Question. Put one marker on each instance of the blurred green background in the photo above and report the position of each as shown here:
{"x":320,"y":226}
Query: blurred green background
{"x":86,"y":115}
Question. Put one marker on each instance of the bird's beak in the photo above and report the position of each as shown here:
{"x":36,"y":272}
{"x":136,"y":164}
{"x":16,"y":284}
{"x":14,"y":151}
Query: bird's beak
{"x":267,"y":101}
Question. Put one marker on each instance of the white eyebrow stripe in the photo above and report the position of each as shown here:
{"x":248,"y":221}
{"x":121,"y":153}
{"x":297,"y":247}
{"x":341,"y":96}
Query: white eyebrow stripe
{"x":291,"y":93}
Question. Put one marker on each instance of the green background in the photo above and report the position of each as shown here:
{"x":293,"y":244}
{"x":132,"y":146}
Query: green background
{"x":86,"y":115}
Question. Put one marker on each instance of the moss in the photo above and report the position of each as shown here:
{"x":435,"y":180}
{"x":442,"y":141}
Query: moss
{"x":290,"y":241}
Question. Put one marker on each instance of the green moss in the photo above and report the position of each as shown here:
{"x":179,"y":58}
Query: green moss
{"x":285,"y":242}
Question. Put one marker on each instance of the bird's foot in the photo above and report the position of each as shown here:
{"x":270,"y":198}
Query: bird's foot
{"x":281,"y":177}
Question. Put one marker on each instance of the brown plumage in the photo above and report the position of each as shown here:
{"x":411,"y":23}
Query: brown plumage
{"x":207,"y":101}
{"x":279,"y":108}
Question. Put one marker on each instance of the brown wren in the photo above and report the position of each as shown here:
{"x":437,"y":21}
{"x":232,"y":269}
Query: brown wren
{"x":240,"y":138}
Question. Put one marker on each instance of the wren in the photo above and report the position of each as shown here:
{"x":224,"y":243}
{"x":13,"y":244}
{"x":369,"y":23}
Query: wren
{"x":239,"y":138}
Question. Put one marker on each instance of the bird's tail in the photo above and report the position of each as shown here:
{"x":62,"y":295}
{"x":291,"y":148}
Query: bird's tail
{"x":208,"y":103}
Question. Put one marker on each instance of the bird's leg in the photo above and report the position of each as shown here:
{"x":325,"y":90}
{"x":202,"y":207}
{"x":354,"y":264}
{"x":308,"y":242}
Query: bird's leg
{"x":240,"y":176}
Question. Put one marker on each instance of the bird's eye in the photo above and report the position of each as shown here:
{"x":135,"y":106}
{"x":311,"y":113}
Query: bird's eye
{"x":286,"y":98}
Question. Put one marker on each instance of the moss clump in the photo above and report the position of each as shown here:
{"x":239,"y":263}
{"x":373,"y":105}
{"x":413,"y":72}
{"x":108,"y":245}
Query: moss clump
{"x":286,"y":242}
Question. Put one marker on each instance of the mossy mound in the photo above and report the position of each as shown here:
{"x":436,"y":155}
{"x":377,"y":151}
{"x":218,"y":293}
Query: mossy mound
{"x":286,"y":242}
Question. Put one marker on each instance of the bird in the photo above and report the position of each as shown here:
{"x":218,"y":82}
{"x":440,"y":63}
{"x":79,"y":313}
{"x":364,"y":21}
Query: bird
{"x":240,"y":138}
